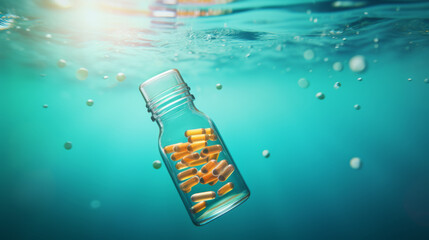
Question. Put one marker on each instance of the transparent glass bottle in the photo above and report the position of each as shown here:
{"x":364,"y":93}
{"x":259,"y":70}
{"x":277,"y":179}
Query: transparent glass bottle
{"x":209,"y":184}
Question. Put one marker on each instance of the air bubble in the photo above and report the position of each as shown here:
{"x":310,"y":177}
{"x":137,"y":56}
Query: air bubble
{"x":120,"y":77}
{"x":359,"y":79}
{"x":337,"y":85}
{"x":355,"y":163}
{"x":61,"y":63}
{"x":266,"y":153}
{"x":303,"y":83}
{"x":82,"y":74}
{"x":157,"y":164}
{"x":357,"y":63}
{"x":90,"y":102}
{"x":218,"y":86}
{"x":45,"y":105}
{"x":320,"y":95}
{"x":68,"y":145}
{"x":337,"y":66}
{"x":357,"y":106}
{"x":308,"y":54}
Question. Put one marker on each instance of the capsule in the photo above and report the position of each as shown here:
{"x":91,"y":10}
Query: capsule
{"x":186,"y":190}
{"x":170,"y":148}
{"x":198,"y":131}
{"x":219,"y":167}
{"x":203,"y":196}
{"x":198,"y":207}
{"x":226,"y":173}
{"x":180,"y":165}
{"x":202,"y":137}
{"x":180,"y":147}
{"x":209,"y":177}
{"x":211,"y":150}
{"x":190,"y":157}
{"x":225,"y":189}
{"x":214,"y":182}
{"x":214,"y":156}
{"x":179,"y":155}
{"x":200,"y":174}
{"x":209,"y":166}
{"x":196,"y":146}
{"x":198,"y":162}
{"x":188,"y":184}
{"x":187,"y":174}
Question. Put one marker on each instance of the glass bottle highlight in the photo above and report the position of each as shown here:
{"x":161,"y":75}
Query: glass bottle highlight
{"x":193,"y":151}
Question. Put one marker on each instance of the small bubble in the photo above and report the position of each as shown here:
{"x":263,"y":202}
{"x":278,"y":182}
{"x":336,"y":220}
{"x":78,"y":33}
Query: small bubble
{"x":68,"y":145}
{"x":106,"y":77}
{"x":90,"y":102}
{"x":410,"y":79}
{"x":357,"y":106}
{"x":426,"y":80}
{"x":303,"y":83}
{"x":308,"y":54}
{"x":61,"y":63}
{"x":266,"y":153}
{"x":337,"y":66}
{"x":359,"y":79}
{"x":82,"y":74}
{"x":247,"y":55}
{"x":27,"y":29}
{"x":320,"y":95}
{"x":365,"y":13}
{"x":355,"y":163}
{"x":48,"y":36}
{"x":337,"y":85}
{"x":95,"y":204}
{"x":120,"y":77}
{"x":376,"y":40}
{"x":45,"y":105}
{"x":218,"y":86}
{"x":326,"y":59}
{"x":357,"y":63}
{"x":157,"y":164}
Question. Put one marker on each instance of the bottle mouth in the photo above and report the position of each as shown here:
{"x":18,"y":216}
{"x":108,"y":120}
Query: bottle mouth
{"x":165,"y":92}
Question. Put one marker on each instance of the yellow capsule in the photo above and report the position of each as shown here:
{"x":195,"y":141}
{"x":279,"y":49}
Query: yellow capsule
{"x":196,"y":146}
{"x":214,"y":156}
{"x":209,"y":177}
{"x":211,"y":150}
{"x":226,"y":173}
{"x":198,"y":207}
{"x":180,"y":147}
{"x":203,"y":196}
{"x":180,"y":165}
{"x":198,"y":131}
{"x":188,"y":184}
{"x":198,"y":138}
{"x":178,"y":155}
{"x":225,"y":189}
{"x":170,"y":148}
{"x":186,"y":190}
{"x":190,"y":157}
{"x":213,"y":137}
{"x":219,"y":167}
{"x":198,"y":162}
{"x":187,"y":174}
{"x":214,"y":182}
{"x":209,"y":166}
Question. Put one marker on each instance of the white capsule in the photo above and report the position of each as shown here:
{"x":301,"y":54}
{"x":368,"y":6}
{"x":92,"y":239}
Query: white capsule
{"x":157,"y":164}
{"x":68,"y":145}
{"x":308,"y":54}
{"x":355,"y":163}
{"x":303,"y":83}
{"x":61,"y":63}
{"x":357,"y":63}
{"x":320,"y":95}
{"x":265,"y":153}
{"x":337,"y":85}
{"x":357,"y":106}
{"x":82,"y":74}
{"x":120,"y":77}
{"x":337,"y":66}
{"x":90,"y":102}
{"x":218,"y":86}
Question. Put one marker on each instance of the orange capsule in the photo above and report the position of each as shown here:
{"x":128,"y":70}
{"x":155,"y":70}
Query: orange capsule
{"x":198,"y":207}
{"x":190,"y":157}
{"x":198,"y":162}
{"x":198,"y":131}
{"x":219,"y":167}
{"x":178,"y":155}
{"x":196,"y":146}
{"x":200,"y":174}
{"x":203,"y":196}
{"x":198,"y":138}
{"x":214,"y":156}
{"x":225,"y":189}
{"x":170,"y":148}
{"x":226,"y":172}
{"x":213,"y":137}
{"x":209,"y":166}
{"x":187,"y":174}
{"x":186,"y":190}
{"x":180,"y":165}
{"x":209,"y":177}
{"x":214,"y":182}
{"x":181,"y":147}
{"x":188,"y":184}
{"x":211,"y":150}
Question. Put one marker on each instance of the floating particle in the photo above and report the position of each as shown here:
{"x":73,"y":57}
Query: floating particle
{"x":45,"y":105}
{"x":247,"y":55}
{"x":106,"y":77}
{"x":90,"y":102}
{"x":266,"y":153}
{"x":376,"y":40}
{"x":218,"y":86}
{"x":94,"y":204}
{"x":355,"y":163}
{"x":325,"y":59}
{"x":359,"y":79}
{"x":320,"y":95}
{"x":48,"y":36}
{"x":357,"y":63}
{"x":303,"y":83}
{"x":82,"y":73}
{"x":157,"y":164}
{"x":120,"y":77}
{"x":337,"y":85}
{"x":426,"y":80}
{"x":43,"y":75}
{"x":61,"y":63}
{"x":357,"y":106}
{"x":410,"y":79}
{"x":27,"y":29}
{"x":68,"y":145}
{"x":308,"y":54}
{"x":337,"y":66}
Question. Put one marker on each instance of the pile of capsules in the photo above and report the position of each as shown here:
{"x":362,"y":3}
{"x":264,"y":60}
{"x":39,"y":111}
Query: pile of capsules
{"x":210,"y":173}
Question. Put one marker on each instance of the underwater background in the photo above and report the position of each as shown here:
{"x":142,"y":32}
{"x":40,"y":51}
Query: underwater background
{"x":272,"y":58}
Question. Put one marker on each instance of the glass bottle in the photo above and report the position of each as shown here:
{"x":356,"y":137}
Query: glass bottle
{"x":208,"y":183}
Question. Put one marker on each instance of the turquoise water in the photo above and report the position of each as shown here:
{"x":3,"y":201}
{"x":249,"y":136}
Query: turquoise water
{"x":105,"y":187}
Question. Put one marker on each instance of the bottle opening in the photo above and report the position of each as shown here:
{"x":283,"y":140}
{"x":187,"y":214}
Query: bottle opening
{"x":165,"y":92}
